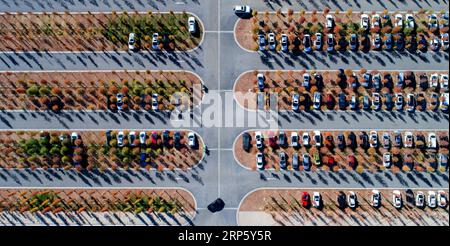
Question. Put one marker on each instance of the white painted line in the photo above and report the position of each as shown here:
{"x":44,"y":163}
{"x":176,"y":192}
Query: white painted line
{"x":108,"y":52}
{"x":219,"y":87}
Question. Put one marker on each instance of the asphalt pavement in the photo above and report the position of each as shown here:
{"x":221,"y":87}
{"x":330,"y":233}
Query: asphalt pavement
{"x":218,"y":61}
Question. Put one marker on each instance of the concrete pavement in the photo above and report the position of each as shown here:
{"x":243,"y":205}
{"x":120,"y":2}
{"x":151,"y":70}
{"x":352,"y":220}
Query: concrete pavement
{"x":219,"y":61}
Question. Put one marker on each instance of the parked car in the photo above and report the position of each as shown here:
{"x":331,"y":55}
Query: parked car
{"x":398,"y":20}
{"x":120,"y":137}
{"x":444,"y":102}
{"x":272,"y":41}
{"x":366,"y":103}
{"x":376,"y":21}
{"x":119,"y":102}
{"x":294,"y":140}
{"x":282,"y":141}
{"x":375,"y":199}
{"x":192,"y":24}
{"x":354,"y":42}
{"x":295,"y":165}
{"x":295,"y":102}
{"x":443,"y":161}
{"x":341,"y":200}
{"x":259,"y":140}
{"x":329,"y":21}
{"x":377,"y":42}
{"x":352,"y":200}
{"x":376,"y":81}
{"x":306,"y":200}
{"x":388,"y":42}
{"x":397,"y":139}
{"x":155,"y":41}
{"x":317,"y":100}
{"x":444,"y":41}
{"x":242,"y":10}
{"x":283,"y":160}
{"x":306,"y":80}
{"x":155,"y":103}
{"x":317,"y":159}
{"x":435,"y":44}
{"x":376,"y":101}
{"x":317,"y":138}
{"x":420,"y":199}
{"x":305,"y":139}
{"x":262,"y":42}
{"x":353,"y":102}
{"x":434,"y":80}
{"x":432,"y":199}
{"x":397,"y":199}
{"x":131,"y":138}
{"x":341,"y":141}
{"x":318,"y":43}
{"x":192,"y":140}
{"x":306,"y":162}
{"x":432,"y":21}
{"x":444,"y":81}
{"x":411,"y":103}
{"x":399,"y":101}
{"x":409,"y":21}
{"x":246,"y":139}
{"x":132,"y":42}
{"x":284,"y":43}
{"x":434,"y":101}
{"x":261,"y":79}
{"x":352,"y":161}
{"x":387,"y":159}
{"x":166,"y":138}
{"x":432,"y":140}
{"x":176,"y":139}
{"x":317,"y":200}
{"x":307,"y":43}
{"x":260,"y":161}
{"x":373,"y":139}
{"x":365,"y":22}
{"x":330,"y":42}
{"x":442,"y":199}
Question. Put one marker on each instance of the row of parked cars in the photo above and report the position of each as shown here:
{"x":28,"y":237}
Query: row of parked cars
{"x":135,"y":139}
{"x":356,"y":41}
{"x":156,"y":37}
{"x":121,"y":96}
{"x":366,"y":141}
{"x":397,"y":101}
{"x":436,"y":82}
{"x":350,"y":199}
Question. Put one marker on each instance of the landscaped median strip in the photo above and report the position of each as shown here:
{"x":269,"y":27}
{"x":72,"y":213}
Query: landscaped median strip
{"x":264,"y":31}
{"x":101,"y":150}
{"x":100,"y":90}
{"x":358,"y":150}
{"x":297,"y":207}
{"x":343,"y":89}
{"x":94,"y":206}
{"x":99,"y":31}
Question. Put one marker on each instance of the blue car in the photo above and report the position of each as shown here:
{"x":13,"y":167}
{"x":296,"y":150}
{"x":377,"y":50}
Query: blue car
{"x":366,"y":103}
{"x":342,"y":101}
{"x":330,"y":42}
{"x":389,"y":42}
{"x":307,"y":43}
{"x":143,"y":158}
{"x":262,"y":42}
{"x":399,"y":42}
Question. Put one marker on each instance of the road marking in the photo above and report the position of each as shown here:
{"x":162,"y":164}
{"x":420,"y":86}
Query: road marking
{"x":219,"y":32}
{"x":219,"y":87}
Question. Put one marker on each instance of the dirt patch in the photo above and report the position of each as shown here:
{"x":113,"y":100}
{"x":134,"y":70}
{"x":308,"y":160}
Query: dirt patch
{"x":96,"y":90}
{"x":95,"y":150}
{"x":285,"y":84}
{"x":283,"y":207}
{"x":95,"y":32}
{"x":369,"y":160}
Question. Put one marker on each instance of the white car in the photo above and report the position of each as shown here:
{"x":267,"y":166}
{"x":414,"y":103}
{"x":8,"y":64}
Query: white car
{"x":295,"y":102}
{"x":375,"y":199}
{"x":398,"y":20}
{"x":318,"y":138}
{"x":294,"y":139}
{"x":317,"y":200}
{"x":131,"y":138}
{"x":192,"y":140}
{"x":399,"y":101}
{"x":387,"y":159}
{"x":432,"y":140}
{"x":329,"y":23}
{"x":420,"y":199}
{"x":352,"y":200}
{"x":410,"y":23}
{"x":132,"y":41}
{"x":142,"y":137}
{"x":365,"y":22}
{"x":192,"y":24}
{"x":155,"y":102}
{"x":119,"y":103}
{"x":305,"y":139}
{"x":260,"y":161}
{"x":316,"y":100}
{"x":373,"y":139}
{"x":376,"y":21}
{"x":120,"y":137}
{"x":272,"y":41}
{"x":409,"y":140}
{"x":242,"y":9}
{"x":155,"y":41}
{"x":432,"y":200}
{"x":444,"y":81}
{"x":434,"y":80}
{"x":259,"y":140}
{"x":442,"y":199}
{"x":306,"y":80}
{"x":397,"y":200}
{"x":445,"y":41}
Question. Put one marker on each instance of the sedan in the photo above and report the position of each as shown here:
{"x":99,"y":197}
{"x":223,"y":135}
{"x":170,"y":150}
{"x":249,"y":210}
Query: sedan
{"x":120,"y":137}
{"x":420,"y":199}
{"x":283,"y":160}
{"x":318,"y":42}
{"x":305,"y":139}
{"x":435,"y":44}
{"x":444,"y":81}
{"x":192,"y":140}
{"x":375,"y":199}
{"x":294,"y":139}
{"x":411,"y":103}
{"x":354,"y":43}
{"x":155,"y":103}
{"x":155,"y":41}
{"x":399,"y":101}
{"x":306,"y":162}
{"x":386,"y":140}
{"x":284,"y":43}
{"x":132,"y":42}
{"x":142,"y":137}
{"x":352,"y":200}
{"x":295,"y":102}
{"x":317,"y":101}
{"x":442,"y":199}
{"x":377,"y":42}
{"x":365,"y":22}
{"x":409,"y":140}
{"x":317,"y":200}
{"x":192,"y":24}
{"x":262,"y":42}
{"x":306,"y":200}
{"x":272,"y":41}
{"x":432,"y":199}
{"x":329,"y":23}
{"x":387,"y":159}
{"x":260,"y":161}
{"x":397,"y":199}
{"x":376,"y":101}
{"x":373,"y":139}
{"x":330,"y":42}
{"x":259,"y":140}
{"x":307,"y":43}
{"x":260,"y":79}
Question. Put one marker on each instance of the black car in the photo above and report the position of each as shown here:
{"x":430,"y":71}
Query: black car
{"x":282,"y":139}
{"x":423,"y":42}
{"x":364,"y":138}
{"x":108,"y":137}
{"x":388,"y":101}
{"x":342,"y":200}
{"x":216,"y":206}
{"x":341,"y":141}
{"x":342,"y":101}
{"x":246,"y":138}
{"x":388,"y":81}
{"x":411,"y":43}
{"x":423,"y":82}
{"x":421,"y":102}
{"x":318,"y":79}
{"x":410,"y":200}
{"x":166,"y":138}
{"x":352,"y":140}
{"x":420,"y":141}
{"x":176,"y":139}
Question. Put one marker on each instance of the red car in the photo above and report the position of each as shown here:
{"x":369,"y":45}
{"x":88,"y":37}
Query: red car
{"x":272,"y":141}
{"x":329,"y":101}
{"x":331,"y":161}
{"x":351,"y":161}
{"x":154,"y":138}
{"x":306,"y":200}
